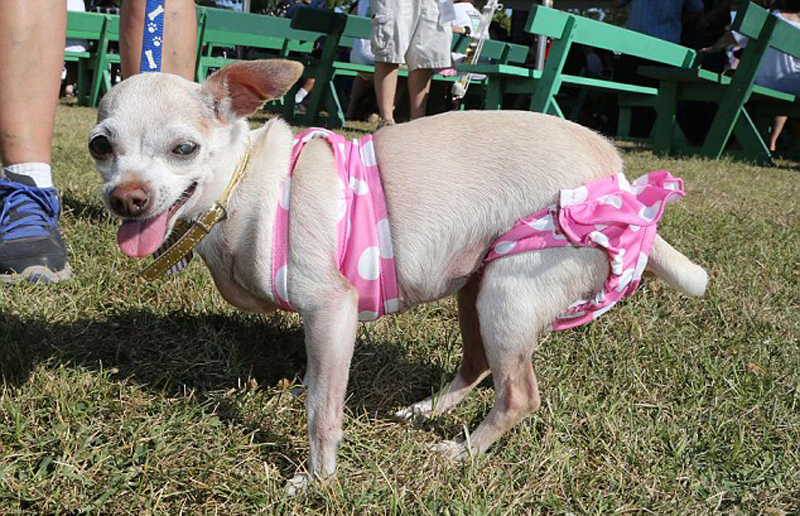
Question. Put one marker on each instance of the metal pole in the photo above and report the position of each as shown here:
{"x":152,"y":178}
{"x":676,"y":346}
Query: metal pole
{"x":245,"y":6}
{"x":541,"y":43}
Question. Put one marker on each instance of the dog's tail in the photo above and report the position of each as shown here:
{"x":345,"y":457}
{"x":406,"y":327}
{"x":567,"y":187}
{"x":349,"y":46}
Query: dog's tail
{"x":677,"y":270}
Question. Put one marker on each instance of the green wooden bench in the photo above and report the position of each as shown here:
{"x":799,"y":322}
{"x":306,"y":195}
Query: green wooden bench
{"x":93,"y":28}
{"x":741,"y":102}
{"x":267,"y":37}
{"x":493,"y":54}
{"x":101,"y":61}
{"x":341,"y":30}
{"x":565,"y":29}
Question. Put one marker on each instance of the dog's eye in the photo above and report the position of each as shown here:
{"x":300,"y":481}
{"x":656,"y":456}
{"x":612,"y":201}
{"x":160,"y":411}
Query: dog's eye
{"x":100,"y":147}
{"x":184,"y":149}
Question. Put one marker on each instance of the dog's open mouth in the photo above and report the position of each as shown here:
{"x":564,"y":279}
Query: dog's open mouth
{"x":139,"y":238}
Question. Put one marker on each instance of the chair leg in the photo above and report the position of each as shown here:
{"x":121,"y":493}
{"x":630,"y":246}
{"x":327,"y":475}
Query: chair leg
{"x":81,"y":93}
{"x":666,"y":109}
{"x":751,"y":141}
{"x":100,"y":75}
{"x":624,"y":122}
{"x":494,"y":93}
{"x":335,"y":118}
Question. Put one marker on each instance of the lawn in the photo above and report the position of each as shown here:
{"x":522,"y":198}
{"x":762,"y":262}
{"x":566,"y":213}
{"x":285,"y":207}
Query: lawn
{"x":125,"y":397}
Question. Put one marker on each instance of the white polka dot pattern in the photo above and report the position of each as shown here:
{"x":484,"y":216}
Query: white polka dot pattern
{"x":609,"y":214}
{"x":364,"y":242}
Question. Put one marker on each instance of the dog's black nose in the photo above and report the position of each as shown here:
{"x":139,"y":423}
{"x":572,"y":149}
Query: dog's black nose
{"x":129,"y":200}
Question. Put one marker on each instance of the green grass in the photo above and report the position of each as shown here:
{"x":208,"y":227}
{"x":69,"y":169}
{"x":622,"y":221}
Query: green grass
{"x":122,"y":397}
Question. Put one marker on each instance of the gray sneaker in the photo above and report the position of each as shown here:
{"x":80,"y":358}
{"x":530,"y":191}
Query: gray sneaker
{"x":31,"y":247}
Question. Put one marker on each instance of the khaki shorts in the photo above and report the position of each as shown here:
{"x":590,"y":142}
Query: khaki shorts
{"x":410,"y":31}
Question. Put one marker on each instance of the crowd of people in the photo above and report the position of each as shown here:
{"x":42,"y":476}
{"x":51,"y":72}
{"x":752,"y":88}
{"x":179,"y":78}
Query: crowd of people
{"x":416,"y":34}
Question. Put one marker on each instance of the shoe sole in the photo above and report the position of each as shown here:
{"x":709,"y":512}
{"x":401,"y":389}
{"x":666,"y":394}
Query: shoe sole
{"x":38,"y":274}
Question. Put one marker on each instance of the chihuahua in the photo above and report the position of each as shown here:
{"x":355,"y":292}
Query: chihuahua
{"x":167,"y":148}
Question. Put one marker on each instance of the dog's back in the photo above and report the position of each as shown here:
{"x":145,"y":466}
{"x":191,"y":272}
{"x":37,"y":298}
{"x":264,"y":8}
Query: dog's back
{"x":455,"y":181}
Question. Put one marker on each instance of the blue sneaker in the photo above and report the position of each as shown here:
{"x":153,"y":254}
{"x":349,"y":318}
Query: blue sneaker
{"x":31,"y":247}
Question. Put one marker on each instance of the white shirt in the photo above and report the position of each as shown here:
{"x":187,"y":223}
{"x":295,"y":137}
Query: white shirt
{"x":777,"y":70}
{"x":361,"y":53}
{"x":780,"y":71}
{"x":467,"y":15}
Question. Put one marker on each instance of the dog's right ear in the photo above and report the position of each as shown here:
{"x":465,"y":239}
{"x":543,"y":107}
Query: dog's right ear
{"x":239,"y":89}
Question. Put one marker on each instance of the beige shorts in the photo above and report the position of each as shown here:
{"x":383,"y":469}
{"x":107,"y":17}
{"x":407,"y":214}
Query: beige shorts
{"x":410,"y":31}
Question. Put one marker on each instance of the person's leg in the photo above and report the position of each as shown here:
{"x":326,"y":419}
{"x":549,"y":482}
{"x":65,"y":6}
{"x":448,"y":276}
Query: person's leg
{"x":392,"y":25}
{"x":777,"y":129}
{"x":32,"y":46}
{"x":180,"y":37}
{"x":429,"y":49}
{"x":385,"y":87}
{"x":360,"y":88}
{"x":304,"y":90}
{"x":419,"y":85}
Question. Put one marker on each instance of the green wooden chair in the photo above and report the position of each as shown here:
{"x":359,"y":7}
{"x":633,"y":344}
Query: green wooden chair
{"x":341,"y":30}
{"x":565,"y":29}
{"x":92,"y":28}
{"x":494,"y":54}
{"x":741,"y":102}
{"x":266,"y":36}
{"x":101,"y":61}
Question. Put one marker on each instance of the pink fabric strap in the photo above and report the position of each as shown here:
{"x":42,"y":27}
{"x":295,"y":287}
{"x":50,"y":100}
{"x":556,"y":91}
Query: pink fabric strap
{"x":610,"y":214}
{"x":364,"y":251}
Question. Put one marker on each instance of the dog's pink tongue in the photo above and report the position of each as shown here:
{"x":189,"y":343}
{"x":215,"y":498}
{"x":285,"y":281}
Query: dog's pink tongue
{"x":138,"y":238}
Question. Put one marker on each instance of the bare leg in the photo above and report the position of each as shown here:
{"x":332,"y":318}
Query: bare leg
{"x":32,"y":46}
{"x":474,"y":367}
{"x":32,"y":35}
{"x":385,"y":88}
{"x":360,"y":88}
{"x":777,"y":129}
{"x":419,"y":85}
{"x":180,"y":37}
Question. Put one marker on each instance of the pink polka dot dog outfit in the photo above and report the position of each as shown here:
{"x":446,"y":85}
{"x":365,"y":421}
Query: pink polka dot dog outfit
{"x":611,"y":214}
{"x":365,"y":255}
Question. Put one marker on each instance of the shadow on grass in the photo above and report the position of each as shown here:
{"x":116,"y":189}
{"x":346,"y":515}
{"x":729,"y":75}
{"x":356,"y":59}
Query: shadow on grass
{"x":208,"y":354}
{"x":94,"y":212}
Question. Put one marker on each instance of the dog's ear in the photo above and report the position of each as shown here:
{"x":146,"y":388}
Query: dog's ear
{"x":239,"y":89}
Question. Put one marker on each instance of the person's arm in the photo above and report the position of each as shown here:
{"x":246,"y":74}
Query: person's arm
{"x":727,"y":40}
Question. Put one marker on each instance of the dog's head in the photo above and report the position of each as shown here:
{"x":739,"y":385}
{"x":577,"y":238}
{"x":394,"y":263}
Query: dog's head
{"x":161,"y":141}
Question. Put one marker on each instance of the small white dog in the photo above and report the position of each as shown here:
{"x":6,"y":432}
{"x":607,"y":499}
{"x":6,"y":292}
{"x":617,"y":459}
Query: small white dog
{"x":167,"y":149}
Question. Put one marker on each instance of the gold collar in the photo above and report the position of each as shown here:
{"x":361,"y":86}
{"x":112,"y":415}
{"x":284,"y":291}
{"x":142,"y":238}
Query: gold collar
{"x":176,"y":256}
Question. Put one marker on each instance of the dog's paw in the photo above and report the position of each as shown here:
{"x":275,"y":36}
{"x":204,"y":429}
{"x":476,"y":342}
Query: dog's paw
{"x":297,"y":485}
{"x":415,"y":413}
{"x":455,"y":451}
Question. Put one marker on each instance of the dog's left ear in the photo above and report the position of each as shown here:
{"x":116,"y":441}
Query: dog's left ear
{"x":239,"y":89}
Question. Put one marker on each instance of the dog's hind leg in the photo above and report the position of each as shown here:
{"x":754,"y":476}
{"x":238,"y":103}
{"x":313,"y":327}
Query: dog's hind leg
{"x":474,"y":366}
{"x":519,"y":296}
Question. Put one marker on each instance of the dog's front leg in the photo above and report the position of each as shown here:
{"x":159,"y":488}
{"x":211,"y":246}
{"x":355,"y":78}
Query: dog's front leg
{"x":330,"y":332}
